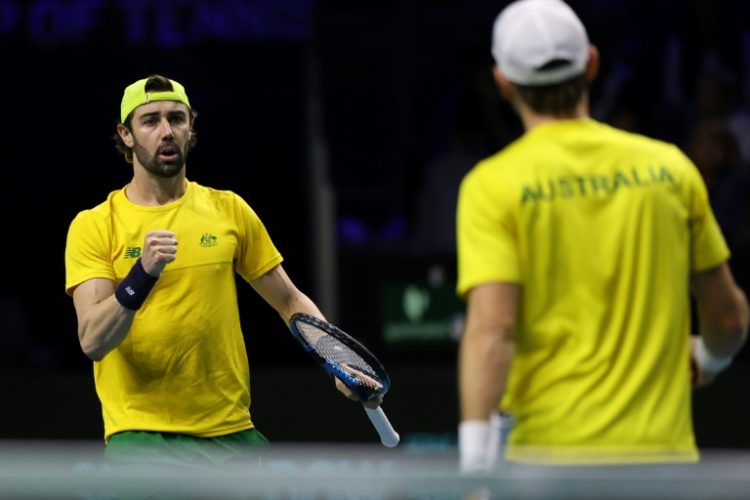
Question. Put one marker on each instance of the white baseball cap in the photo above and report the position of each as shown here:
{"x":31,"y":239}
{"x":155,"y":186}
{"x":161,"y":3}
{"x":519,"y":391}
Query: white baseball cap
{"x":528,"y":34}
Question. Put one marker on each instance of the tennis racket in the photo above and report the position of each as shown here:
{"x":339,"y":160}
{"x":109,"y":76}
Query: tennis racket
{"x":346,"y":359}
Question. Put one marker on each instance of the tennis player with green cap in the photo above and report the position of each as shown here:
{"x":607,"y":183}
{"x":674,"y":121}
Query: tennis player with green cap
{"x":160,"y":319}
{"x":135,"y":95}
{"x":578,"y":247}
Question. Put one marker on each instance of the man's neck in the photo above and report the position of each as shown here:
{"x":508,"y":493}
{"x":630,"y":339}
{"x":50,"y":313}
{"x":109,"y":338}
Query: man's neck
{"x":152,"y":191}
{"x":530,"y":119}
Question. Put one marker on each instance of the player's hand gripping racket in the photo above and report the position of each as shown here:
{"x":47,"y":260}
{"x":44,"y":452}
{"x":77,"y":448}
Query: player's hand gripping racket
{"x":346,"y":359}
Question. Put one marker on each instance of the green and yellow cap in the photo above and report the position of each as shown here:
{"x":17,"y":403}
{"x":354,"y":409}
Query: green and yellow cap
{"x":135,"y":95}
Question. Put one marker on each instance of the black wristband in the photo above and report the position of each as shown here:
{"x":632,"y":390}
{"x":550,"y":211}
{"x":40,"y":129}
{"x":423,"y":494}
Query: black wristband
{"x":132,"y":291}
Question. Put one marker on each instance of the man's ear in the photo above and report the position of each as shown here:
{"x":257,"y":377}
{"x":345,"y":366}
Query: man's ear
{"x":125,"y":135}
{"x":503,"y":84}
{"x":592,"y":66}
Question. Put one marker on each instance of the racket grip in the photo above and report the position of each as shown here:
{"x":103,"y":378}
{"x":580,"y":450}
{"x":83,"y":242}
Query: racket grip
{"x":388,"y":436}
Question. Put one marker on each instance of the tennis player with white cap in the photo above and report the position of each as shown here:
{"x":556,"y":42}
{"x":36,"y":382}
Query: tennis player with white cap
{"x":578,"y":247}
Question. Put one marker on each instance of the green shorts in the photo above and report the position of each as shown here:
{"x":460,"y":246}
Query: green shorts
{"x":134,"y":447}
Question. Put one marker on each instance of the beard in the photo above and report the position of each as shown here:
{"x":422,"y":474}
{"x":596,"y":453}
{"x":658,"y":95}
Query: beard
{"x":155,"y":165}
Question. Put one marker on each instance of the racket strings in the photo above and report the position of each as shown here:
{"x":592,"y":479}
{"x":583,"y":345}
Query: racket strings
{"x":331,"y":349}
{"x":336,"y":352}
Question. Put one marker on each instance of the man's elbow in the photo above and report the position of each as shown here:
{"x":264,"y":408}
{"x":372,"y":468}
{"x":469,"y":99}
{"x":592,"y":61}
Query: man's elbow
{"x":741,"y":319}
{"x":734,"y":323}
{"x":93,"y":350}
{"x":735,"y":328}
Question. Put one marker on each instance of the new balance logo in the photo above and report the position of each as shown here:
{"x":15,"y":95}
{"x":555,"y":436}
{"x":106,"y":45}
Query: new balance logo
{"x":132,"y":252}
{"x":130,"y":291}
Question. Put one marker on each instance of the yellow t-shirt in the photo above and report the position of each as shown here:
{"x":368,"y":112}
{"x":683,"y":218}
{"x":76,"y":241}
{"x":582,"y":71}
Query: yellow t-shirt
{"x":602,"y":229}
{"x":183,"y":366}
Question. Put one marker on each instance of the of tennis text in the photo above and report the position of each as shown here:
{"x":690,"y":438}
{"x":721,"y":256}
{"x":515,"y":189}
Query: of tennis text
{"x":173,"y":23}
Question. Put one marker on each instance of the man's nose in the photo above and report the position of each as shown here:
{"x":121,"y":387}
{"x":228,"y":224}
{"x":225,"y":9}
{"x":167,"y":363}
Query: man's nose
{"x":166,"y":128}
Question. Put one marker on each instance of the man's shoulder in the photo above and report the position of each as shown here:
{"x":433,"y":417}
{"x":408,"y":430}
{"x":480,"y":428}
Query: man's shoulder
{"x":217,"y":197}
{"x":103,"y":210}
{"x":653,"y":151}
{"x":220,"y":200}
{"x":632,"y":140}
{"x":501,"y":163}
{"x":214,"y":193}
{"x":641,"y":138}
{"x":95,"y":220}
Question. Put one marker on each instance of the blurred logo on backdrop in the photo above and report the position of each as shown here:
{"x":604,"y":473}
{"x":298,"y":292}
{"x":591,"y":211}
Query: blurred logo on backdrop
{"x":162,"y":23}
{"x":422,"y":311}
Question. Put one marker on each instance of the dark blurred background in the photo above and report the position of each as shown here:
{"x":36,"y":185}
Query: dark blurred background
{"x":347,"y":126}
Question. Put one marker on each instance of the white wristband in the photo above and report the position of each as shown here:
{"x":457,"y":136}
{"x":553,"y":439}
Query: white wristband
{"x":708,"y":361}
{"x":473,"y":444}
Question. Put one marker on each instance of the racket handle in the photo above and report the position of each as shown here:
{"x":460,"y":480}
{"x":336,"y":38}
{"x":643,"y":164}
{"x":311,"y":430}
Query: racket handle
{"x":388,"y":436}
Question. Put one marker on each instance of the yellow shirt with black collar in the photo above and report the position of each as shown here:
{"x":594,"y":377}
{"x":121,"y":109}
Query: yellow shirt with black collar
{"x":601,"y":229}
{"x":183,"y":366}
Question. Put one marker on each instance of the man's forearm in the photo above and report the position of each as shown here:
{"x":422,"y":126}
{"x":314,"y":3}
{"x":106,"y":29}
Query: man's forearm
{"x":725,"y":334}
{"x":104,"y":328}
{"x":484,"y":362}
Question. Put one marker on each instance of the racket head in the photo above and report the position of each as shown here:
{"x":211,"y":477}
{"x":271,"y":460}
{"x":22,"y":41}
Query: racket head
{"x":341,"y":356}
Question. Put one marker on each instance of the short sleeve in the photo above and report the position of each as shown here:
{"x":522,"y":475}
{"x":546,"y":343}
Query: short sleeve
{"x":257,"y":253}
{"x":87,"y":251}
{"x":708,"y":247}
{"x":486,"y":236}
